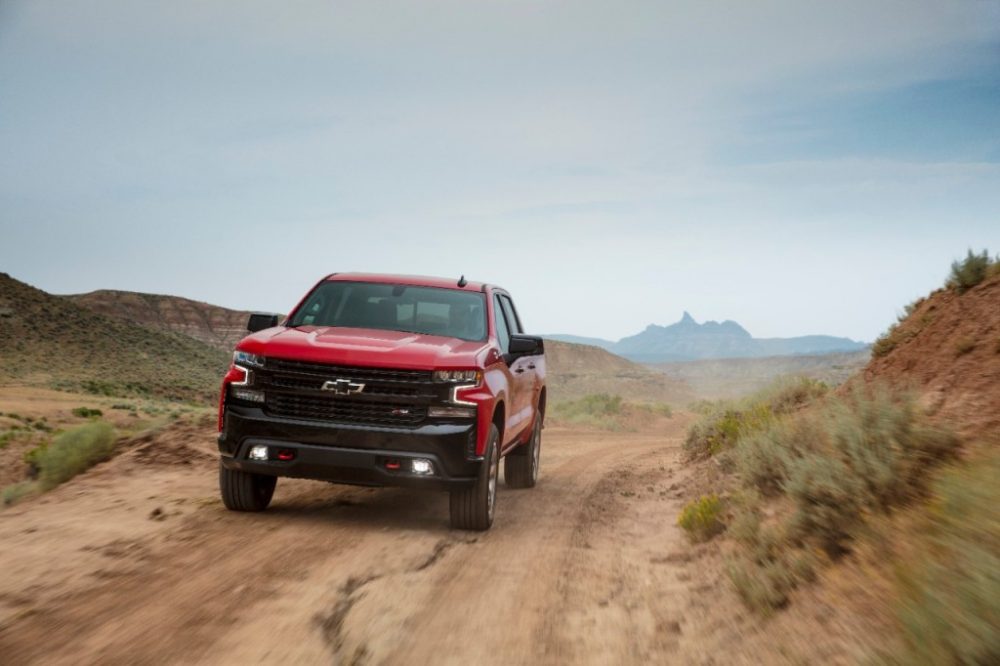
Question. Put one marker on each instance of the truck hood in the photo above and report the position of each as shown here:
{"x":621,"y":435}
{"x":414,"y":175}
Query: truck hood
{"x":365,"y":347}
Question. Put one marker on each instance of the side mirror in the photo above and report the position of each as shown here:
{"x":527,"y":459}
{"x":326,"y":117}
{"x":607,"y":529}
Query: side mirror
{"x":526,"y":345}
{"x":259,"y":321}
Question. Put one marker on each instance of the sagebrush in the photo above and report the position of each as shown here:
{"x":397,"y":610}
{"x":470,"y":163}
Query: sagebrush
{"x":702,"y":518}
{"x":71,"y":453}
{"x":726,"y":423}
{"x":968,"y":272}
{"x":948,"y":601}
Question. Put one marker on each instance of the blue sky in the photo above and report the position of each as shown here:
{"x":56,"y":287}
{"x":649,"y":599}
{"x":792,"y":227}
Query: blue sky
{"x":800,"y":167}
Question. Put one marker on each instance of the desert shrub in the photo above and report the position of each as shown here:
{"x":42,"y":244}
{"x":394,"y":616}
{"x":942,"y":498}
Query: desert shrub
{"x":827,"y":502}
{"x":608,"y":412}
{"x":767,"y":567}
{"x":910,"y":308}
{"x":100,"y":387}
{"x":948,"y":603}
{"x":703,"y":407}
{"x":886,"y":443}
{"x":864,"y":451}
{"x":886,"y":342}
{"x":786,"y":395}
{"x":655,"y":409}
{"x":700,"y":518}
{"x":762,"y":587}
{"x":763,"y":458}
{"x":15,"y":493}
{"x":125,"y":406}
{"x":71,"y":453}
{"x":720,"y":429}
{"x":969,"y":272}
{"x":87,"y":412}
{"x":897,"y":335}
{"x":598,"y":410}
{"x":868,"y":450}
{"x":964,"y":346}
{"x":601,"y":404}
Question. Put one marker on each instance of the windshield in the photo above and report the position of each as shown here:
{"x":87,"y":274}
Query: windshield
{"x":428,"y":310}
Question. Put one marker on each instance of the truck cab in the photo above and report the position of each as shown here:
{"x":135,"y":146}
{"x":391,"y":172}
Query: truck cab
{"x":386,"y":380}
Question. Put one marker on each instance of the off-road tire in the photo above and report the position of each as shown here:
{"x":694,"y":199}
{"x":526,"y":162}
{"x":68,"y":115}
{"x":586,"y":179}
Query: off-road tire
{"x":520,"y":466}
{"x":243,"y":491}
{"x":473,"y":508}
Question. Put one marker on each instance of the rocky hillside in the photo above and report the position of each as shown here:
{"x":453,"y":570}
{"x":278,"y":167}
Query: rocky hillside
{"x":687,"y":340}
{"x":948,"y":350}
{"x":216,"y":326}
{"x":51,"y":341}
{"x":578,"y":370}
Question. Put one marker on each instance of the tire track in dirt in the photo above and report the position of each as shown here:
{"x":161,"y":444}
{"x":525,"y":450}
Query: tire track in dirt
{"x":506,"y":586}
{"x":209,"y":571}
{"x":360,"y":575}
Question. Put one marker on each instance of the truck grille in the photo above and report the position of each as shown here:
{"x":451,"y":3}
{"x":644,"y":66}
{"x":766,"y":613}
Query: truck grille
{"x":391,"y":397}
{"x":360,"y":374}
{"x":344,"y":410}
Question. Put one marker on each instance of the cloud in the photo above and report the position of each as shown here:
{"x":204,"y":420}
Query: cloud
{"x":646,"y":140}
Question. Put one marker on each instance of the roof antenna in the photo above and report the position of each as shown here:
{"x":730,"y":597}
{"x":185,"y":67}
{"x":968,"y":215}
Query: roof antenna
{"x":462,"y":281}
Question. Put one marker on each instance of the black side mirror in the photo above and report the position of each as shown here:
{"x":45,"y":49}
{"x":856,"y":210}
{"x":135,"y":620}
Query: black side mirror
{"x":259,"y":321}
{"x":526,"y":345}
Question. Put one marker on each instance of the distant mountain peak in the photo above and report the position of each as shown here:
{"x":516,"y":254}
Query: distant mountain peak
{"x":686,"y":340}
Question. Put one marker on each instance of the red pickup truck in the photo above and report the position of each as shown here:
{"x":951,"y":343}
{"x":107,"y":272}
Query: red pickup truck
{"x":386,"y":380}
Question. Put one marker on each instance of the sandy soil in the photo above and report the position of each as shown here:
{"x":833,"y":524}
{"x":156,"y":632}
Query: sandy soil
{"x":138,"y":562}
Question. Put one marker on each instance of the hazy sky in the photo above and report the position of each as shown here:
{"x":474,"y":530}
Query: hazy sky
{"x":800,"y":167}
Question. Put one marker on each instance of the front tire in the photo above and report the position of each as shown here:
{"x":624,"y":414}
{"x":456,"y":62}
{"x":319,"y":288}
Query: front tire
{"x":473,"y":508}
{"x":520,"y":467}
{"x":243,"y":491}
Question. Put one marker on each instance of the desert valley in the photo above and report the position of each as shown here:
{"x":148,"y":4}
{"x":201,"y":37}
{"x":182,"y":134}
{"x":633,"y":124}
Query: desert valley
{"x":761,"y":509}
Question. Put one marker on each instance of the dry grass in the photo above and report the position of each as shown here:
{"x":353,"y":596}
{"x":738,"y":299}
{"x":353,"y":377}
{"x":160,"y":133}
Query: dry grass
{"x":608,"y":412}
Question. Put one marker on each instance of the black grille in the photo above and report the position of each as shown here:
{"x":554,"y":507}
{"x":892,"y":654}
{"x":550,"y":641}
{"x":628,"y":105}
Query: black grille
{"x":391,"y":397}
{"x":344,"y":410}
{"x":316,"y":384}
{"x":358,"y":374}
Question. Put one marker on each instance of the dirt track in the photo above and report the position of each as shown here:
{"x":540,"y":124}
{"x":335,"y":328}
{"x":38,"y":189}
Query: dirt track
{"x":137,"y":562}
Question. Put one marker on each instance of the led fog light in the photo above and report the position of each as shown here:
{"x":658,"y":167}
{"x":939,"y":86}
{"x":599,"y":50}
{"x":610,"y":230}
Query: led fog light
{"x":258,"y":452}
{"x":421,"y":466}
{"x":247,"y":395}
{"x":449,"y":412}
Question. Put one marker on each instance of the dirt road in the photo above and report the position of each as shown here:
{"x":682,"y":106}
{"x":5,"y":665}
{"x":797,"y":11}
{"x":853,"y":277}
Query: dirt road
{"x":138,"y":562}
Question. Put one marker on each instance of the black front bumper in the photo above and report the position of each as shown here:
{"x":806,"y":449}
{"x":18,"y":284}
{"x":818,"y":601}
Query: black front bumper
{"x":353,"y":454}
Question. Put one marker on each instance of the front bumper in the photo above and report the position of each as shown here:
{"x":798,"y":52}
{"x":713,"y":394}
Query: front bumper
{"x":352,"y":454}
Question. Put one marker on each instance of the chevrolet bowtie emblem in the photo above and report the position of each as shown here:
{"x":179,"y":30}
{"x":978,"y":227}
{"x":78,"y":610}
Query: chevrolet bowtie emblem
{"x":343,"y":387}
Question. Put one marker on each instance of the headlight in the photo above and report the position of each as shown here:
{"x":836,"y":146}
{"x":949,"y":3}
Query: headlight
{"x":458,"y":376}
{"x":247,"y":360}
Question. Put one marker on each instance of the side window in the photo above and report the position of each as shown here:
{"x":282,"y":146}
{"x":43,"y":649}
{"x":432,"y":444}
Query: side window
{"x":513,"y":321}
{"x":503,"y":331}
